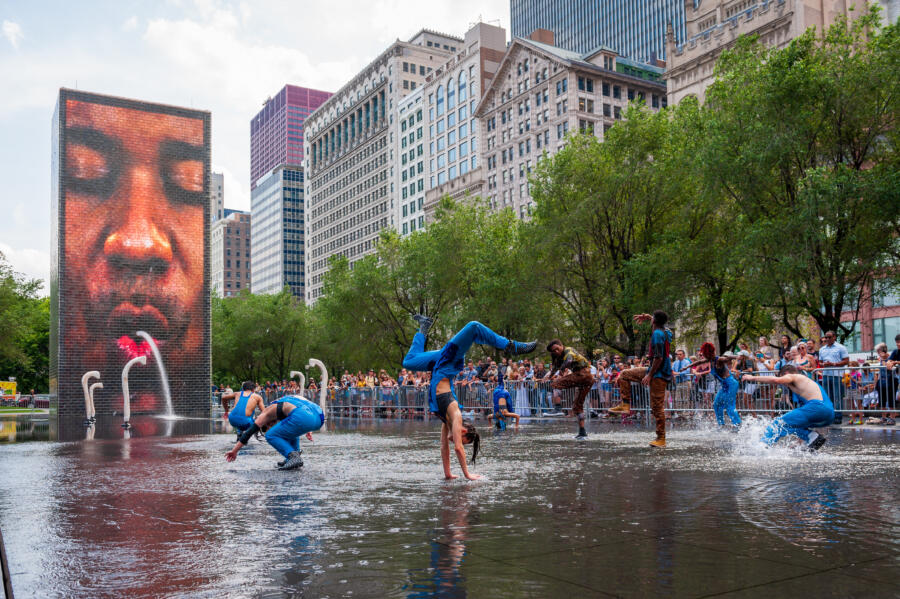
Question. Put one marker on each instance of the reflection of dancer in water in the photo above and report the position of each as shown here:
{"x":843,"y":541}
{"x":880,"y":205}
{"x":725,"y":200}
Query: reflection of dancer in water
{"x":444,"y":365}
{"x":726,"y":397}
{"x":292,"y":416}
{"x":503,"y":405}
{"x":241,"y":416}
{"x":580,"y":377}
{"x":815,"y":409}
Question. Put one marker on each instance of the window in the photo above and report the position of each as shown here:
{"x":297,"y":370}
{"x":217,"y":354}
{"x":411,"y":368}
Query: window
{"x":405,"y":228}
{"x":617,"y":111}
{"x":607,"y":110}
{"x":885,"y":329}
{"x":617,"y":92}
{"x":462,"y":88}
{"x":463,"y":130}
{"x":452,"y":172}
{"x":463,"y":167}
{"x":451,"y":119}
{"x":451,"y":95}
{"x":440,"y":126}
{"x":405,"y":67}
{"x":440,"y":100}
{"x":654,"y":100}
{"x":605,"y":89}
{"x":630,"y":94}
{"x":585,"y":84}
{"x":451,"y":155}
{"x":463,"y":149}
{"x":441,"y":160}
{"x":451,"y":137}
{"x":883,"y":296}
{"x":441,"y":143}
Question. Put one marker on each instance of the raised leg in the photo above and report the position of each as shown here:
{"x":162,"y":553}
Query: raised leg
{"x":417,"y":358}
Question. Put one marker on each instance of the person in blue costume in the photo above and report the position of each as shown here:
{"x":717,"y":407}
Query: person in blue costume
{"x":503,"y":405}
{"x":292,"y":417}
{"x":726,"y":397}
{"x":241,"y":415}
{"x":815,"y":408}
{"x":444,"y":365}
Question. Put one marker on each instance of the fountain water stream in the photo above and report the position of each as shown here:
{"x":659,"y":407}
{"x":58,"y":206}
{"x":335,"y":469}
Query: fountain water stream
{"x":126,"y":396}
{"x":302,"y":378}
{"x":323,"y":388}
{"x":89,"y":410}
{"x":162,"y":371}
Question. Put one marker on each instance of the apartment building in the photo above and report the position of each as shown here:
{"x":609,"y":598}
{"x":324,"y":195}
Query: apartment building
{"x":216,"y":196}
{"x":540,"y":94}
{"x":351,"y":158}
{"x":230,"y":253}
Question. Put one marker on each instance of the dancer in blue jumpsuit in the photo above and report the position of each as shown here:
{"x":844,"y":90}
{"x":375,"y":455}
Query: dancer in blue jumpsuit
{"x":815,"y":408}
{"x":444,"y":365}
{"x":241,"y":415}
{"x":503,"y":405}
{"x":292,"y":417}
{"x":726,"y":397}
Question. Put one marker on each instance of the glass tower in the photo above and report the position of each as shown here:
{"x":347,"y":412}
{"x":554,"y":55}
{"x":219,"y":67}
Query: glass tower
{"x":276,"y":239}
{"x":633,"y":28}
{"x":276,"y":132}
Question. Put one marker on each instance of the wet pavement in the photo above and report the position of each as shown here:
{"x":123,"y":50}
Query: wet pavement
{"x":370,"y":516}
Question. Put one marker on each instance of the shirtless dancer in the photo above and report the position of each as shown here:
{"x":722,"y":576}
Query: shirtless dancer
{"x":816,"y":409}
{"x":444,"y":365}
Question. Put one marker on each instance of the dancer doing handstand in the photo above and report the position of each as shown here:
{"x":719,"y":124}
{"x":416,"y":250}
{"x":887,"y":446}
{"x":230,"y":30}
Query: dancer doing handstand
{"x":444,"y":365}
{"x":292,"y":417}
{"x":815,"y":408}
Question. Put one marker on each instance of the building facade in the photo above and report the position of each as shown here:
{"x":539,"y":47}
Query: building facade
{"x":540,"y":94}
{"x":411,"y":176}
{"x":632,"y":28}
{"x":277,"y":249}
{"x":713,"y":26}
{"x":276,"y":132}
{"x":878,"y":318}
{"x":451,"y":95}
{"x":216,"y":197}
{"x":350,"y":155}
{"x":230,"y":254}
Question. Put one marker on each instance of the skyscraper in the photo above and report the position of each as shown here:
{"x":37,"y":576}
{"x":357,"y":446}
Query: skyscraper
{"x":276,"y":132}
{"x":351,"y":159}
{"x":634,"y":29}
{"x":230,"y":254}
{"x":277,"y":241}
{"x":216,"y":197}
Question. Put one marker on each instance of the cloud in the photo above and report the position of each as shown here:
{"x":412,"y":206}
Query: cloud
{"x":13,"y":33}
{"x":130,"y":24}
{"x":34,"y":264}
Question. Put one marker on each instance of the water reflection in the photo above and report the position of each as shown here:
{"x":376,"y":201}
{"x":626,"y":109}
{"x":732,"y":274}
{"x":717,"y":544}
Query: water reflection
{"x":369,"y":515}
{"x":443,"y":577}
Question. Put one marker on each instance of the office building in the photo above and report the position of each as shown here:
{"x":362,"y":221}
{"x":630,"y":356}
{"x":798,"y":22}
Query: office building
{"x":539,"y":95}
{"x":350,"y":154}
{"x":450,"y":97}
{"x":276,"y":132}
{"x":216,"y":197}
{"x":713,"y":26}
{"x":634,"y":29}
{"x":230,"y":253}
{"x":277,"y":231}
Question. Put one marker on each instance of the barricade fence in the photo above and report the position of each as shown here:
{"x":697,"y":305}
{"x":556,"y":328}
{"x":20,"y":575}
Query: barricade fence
{"x":864,"y":390}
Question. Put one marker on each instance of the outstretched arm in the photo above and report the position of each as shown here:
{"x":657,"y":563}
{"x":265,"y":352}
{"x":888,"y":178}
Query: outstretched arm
{"x":770,"y":380}
{"x":445,"y":451}
{"x":267,"y":417}
{"x":224,"y":399}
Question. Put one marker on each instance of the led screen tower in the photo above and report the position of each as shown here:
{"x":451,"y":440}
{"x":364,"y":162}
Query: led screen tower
{"x":130,"y":274}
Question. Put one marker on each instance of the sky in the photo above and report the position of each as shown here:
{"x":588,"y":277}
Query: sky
{"x":223,"y":56}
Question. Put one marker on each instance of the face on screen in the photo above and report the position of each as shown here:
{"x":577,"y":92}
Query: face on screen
{"x":134,"y":242}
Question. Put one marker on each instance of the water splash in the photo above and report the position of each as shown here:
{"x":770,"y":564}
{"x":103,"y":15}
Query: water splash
{"x":162,"y":371}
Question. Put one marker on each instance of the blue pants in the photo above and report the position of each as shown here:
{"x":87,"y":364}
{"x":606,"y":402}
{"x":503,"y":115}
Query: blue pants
{"x":799,"y":420}
{"x":239,"y":421}
{"x":306,"y":417}
{"x":725,"y":401}
{"x":449,"y":360}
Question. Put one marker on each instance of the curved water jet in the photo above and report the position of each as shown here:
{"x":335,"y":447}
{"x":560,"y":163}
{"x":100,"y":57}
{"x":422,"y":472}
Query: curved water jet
{"x":323,"y":389}
{"x":302,"y":376}
{"x":164,"y":378}
{"x":126,"y":398}
{"x":97,"y":385}
{"x":89,"y":411}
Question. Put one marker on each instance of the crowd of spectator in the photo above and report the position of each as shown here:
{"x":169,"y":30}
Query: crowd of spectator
{"x":862,"y":384}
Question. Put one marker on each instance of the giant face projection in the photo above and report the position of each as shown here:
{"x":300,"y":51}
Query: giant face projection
{"x":133,"y":269}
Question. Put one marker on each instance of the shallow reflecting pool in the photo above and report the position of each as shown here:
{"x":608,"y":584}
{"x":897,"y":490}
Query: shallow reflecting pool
{"x":370,"y":516}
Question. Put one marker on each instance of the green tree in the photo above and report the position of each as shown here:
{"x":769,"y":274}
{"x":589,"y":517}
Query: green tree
{"x":802,"y":141}
{"x":599,"y":205}
{"x":25,"y":322}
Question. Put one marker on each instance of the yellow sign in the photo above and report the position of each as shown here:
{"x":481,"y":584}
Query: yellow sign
{"x":7,"y":388}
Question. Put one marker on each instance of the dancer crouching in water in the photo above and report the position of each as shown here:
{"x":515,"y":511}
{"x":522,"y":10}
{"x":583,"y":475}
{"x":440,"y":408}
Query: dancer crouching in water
{"x":241,"y":416}
{"x":444,"y":365}
{"x":292,"y":417}
{"x":503,"y":405}
{"x":815,"y":408}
